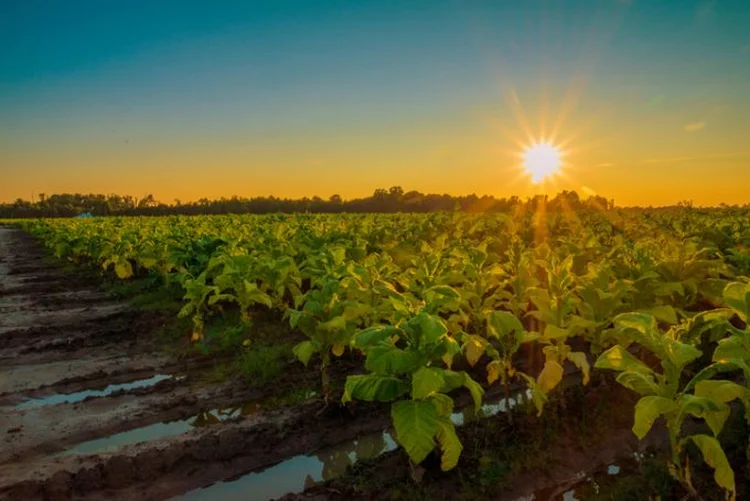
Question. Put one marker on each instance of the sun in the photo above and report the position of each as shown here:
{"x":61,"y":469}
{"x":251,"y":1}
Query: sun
{"x":541,"y":160}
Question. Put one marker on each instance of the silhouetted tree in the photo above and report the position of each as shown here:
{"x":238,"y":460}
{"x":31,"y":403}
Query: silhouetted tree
{"x":394,"y":199}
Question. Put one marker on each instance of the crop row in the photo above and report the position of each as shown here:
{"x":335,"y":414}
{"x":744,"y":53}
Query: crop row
{"x":416,"y":294}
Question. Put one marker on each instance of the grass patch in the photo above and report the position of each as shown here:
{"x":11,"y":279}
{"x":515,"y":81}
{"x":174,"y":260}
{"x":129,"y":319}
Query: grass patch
{"x":147,"y":293}
{"x":257,"y":365}
{"x":291,"y":397}
{"x":222,"y":372}
{"x":225,"y":333}
{"x":265,"y":363}
{"x":158,"y":300}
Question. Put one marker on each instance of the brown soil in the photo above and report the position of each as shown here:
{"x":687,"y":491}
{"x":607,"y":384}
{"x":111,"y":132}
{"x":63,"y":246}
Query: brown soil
{"x":61,"y":334}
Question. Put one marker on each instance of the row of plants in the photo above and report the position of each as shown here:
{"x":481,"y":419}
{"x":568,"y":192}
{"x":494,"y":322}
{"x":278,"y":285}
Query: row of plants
{"x":433,"y":303}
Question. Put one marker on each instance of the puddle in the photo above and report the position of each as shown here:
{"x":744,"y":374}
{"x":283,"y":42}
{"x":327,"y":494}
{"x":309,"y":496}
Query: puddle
{"x":155,"y":431}
{"x":299,"y":472}
{"x":613,"y":469}
{"x":570,"y":496}
{"x":68,"y":398}
{"x":468,"y":414}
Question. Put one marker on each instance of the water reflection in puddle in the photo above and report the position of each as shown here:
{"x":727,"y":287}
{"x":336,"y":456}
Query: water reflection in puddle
{"x":297,"y":473}
{"x":69,"y":398}
{"x":613,"y":469}
{"x":158,"y":430}
{"x":570,"y":496}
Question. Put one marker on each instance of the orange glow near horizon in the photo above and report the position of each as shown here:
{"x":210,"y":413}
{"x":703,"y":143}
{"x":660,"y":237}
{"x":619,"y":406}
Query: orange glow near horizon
{"x":253,"y":102}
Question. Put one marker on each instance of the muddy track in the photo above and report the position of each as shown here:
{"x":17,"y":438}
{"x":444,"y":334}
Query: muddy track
{"x":62,"y":337}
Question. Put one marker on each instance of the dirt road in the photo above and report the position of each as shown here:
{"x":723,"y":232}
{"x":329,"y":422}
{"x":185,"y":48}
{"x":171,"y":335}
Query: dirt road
{"x":91,"y":408}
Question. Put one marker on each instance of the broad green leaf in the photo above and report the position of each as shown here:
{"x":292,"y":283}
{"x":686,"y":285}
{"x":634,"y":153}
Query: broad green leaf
{"x":123,"y":269}
{"x":552,"y":332}
{"x":580,"y":361}
{"x":503,"y":323}
{"x":735,"y":348}
{"x":669,"y":289}
{"x":258,"y":296}
{"x":643,"y":384}
{"x":714,"y":456}
{"x":373,"y":388}
{"x":451,"y":350}
{"x":375,"y":335}
{"x":387,"y":360}
{"x":338,"y":254}
{"x":737,"y":296}
{"x":711,"y":371}
{"x":443,"y":403}
{"x":425,"y":381}
{"x":450,"y":445}
{"x":646,"y":331}
{"x":647,"y":410}
{"x":724,"y":392}
{"x":353,"y":311}
{"x":416,"y":424}
{"x":619,"y":359}
{"x":432,"y":327}
{"x":304,"y":350}
{"x":474,"y":347}
{"x":337,"y":323}
{"x":680,"y":354}
{"x":665,"y":313}
{"x":294,"y":318}
{"x":698,"y":406}
{"x":452,"y":380}
{"x":550,"y":376}
{"x":476,"y":390}
{"x":713,"y":289}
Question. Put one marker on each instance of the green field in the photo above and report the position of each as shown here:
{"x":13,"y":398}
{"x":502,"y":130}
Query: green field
{"x":420,"y":306}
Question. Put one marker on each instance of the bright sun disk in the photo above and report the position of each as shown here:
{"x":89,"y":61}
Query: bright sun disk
{"x":541,"y":160}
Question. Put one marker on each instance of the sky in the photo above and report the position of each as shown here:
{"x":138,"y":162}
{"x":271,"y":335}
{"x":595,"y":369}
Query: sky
{"x":647,"y":99}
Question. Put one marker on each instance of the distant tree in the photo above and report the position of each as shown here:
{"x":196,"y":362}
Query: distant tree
{"x":394,"y":199}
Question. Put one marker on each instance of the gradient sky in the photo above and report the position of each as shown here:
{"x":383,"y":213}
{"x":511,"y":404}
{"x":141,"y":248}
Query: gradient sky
{"x":189,"y":99}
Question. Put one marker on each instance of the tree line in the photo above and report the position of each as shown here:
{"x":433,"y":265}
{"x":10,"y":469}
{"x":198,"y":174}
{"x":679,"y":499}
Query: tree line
{"x":382,"y":200}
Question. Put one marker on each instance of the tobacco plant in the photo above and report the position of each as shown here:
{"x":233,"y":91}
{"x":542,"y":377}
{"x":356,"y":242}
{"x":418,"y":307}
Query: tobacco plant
{"x":404,"y":363}
{"x":663,"y":394}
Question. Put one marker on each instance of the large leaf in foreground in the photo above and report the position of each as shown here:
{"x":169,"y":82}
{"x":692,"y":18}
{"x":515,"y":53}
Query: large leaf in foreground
{"x":373,"y":388}
{"x":416,"y":423}
{"x":647,"y":410}
{"x":714,"y":456}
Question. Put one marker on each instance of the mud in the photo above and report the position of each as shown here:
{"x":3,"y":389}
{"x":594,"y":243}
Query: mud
{"x":61,"y":334}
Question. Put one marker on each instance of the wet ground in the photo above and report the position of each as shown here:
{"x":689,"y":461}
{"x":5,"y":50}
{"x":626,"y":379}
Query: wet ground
{"x":92,"y":408}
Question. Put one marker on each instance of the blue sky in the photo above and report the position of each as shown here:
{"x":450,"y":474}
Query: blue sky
{"x":373,"y":93}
